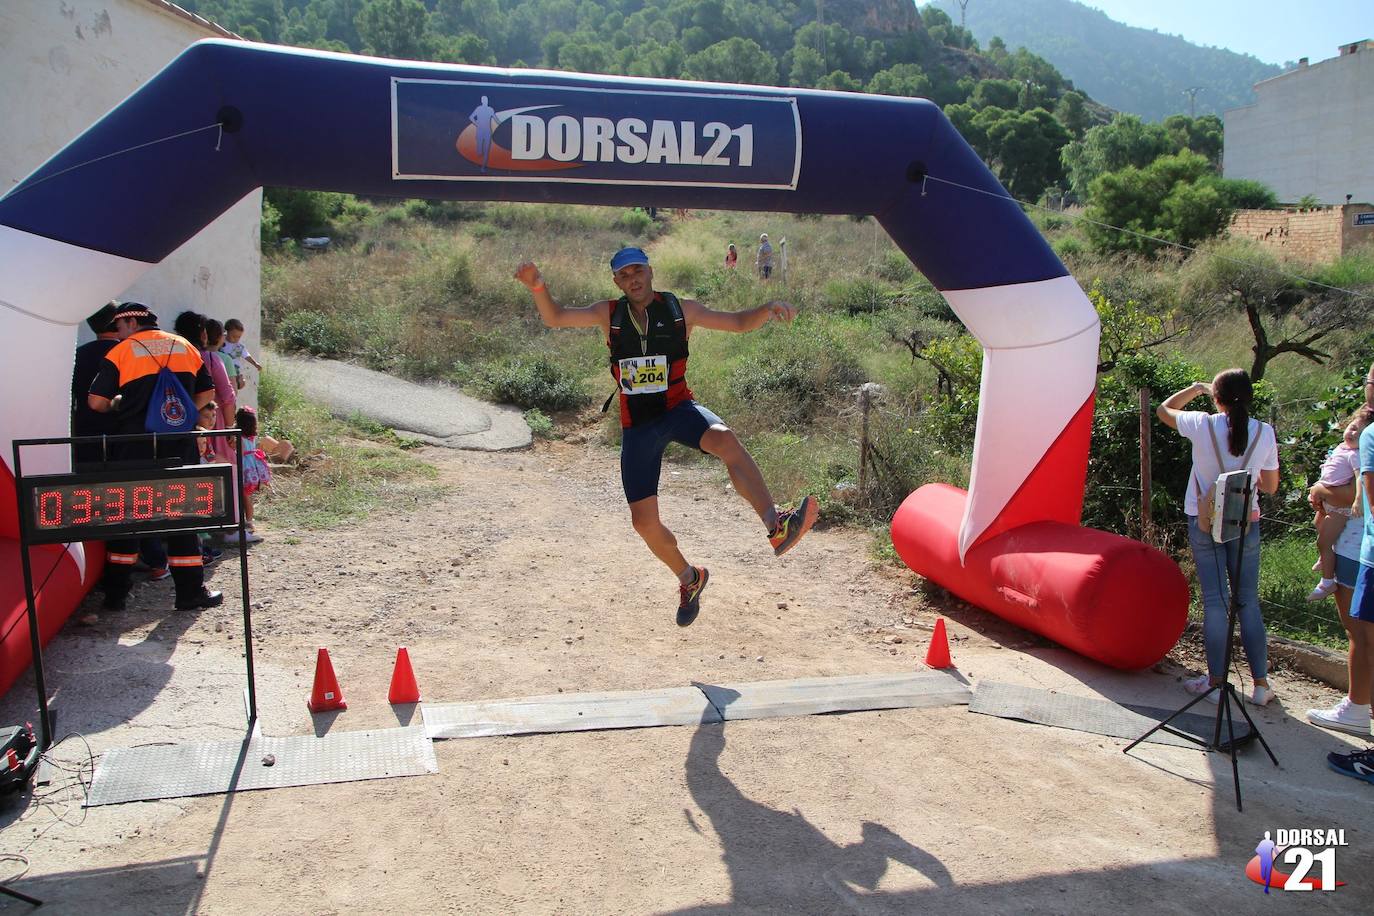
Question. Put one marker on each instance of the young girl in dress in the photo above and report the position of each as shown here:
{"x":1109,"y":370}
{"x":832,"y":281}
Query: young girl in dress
{"x":256,"y":473}
{"x":1332,"y":497}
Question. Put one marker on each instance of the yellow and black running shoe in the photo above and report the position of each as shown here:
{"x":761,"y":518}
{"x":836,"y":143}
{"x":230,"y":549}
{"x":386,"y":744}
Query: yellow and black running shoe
{"x":689,"y":604}
{"x":792,"y":524}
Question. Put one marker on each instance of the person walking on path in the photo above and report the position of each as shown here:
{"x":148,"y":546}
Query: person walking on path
{"x":763,"y":261}
{"x":647,"y":333}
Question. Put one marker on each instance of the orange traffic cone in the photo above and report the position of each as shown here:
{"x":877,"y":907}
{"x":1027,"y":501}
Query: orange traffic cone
{"x":326,"y":694}
{"x":403,"y":686}
{"x":937,"y":656}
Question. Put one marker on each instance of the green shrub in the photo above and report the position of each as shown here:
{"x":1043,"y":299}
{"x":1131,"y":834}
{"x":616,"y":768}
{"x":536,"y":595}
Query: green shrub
{"x":681,"y":273}
{"x":313,"y":332}
{"x":1068,"y":247}
{"x":536,"y":382}
{"x":457,"y":276}
{"x":860,"y":296}
{"x":270,"y":233}
{"x":635,"y":222}
{"x":896,"y":267}
{"x":539,"y":423}
{"x":905,"y":456}
{"x":794,"y":370}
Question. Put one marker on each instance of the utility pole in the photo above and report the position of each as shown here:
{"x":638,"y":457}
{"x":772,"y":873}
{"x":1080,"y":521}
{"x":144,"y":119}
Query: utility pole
{"x":963,"y":13}
{"x":1191,"y":92}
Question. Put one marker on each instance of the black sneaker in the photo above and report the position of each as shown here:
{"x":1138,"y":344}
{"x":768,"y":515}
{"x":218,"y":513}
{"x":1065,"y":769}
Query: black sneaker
{"x":1360,"y":764}
{"x":115,"y":602}
{"x":205,"y":598}
{"x":792,"y":524}
{"x":690,"y":603}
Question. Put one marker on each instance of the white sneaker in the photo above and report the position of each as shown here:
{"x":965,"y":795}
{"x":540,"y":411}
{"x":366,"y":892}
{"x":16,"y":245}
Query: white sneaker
{"x":1323,"y":590}
{"x":1261,"y":696}
{"x":1201,"y":684}
{"x":1345,"y":716}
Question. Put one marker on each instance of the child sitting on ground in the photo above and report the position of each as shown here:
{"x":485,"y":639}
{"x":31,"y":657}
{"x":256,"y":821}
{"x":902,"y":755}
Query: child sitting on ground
{"x":256,"y":473}
{"x":1332,"y":497}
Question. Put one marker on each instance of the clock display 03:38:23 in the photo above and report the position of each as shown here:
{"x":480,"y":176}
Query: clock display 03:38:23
{"x":118,"y":503}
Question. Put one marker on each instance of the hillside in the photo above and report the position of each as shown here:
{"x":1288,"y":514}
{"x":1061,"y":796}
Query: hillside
{"x":1130,"y":69}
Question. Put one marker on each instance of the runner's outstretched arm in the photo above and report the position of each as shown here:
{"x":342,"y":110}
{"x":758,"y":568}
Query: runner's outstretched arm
{"x":702,"y":316}
{"x":555,"y":315}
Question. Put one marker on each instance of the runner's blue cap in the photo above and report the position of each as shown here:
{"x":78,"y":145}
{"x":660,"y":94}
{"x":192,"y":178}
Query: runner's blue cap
{"x":627,"y":256}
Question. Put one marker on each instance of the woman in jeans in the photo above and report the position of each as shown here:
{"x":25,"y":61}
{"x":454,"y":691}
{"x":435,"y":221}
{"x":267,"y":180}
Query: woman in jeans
{"x":1242,"y":443}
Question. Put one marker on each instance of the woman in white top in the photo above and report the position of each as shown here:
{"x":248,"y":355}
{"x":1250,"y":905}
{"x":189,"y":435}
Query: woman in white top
{"x":1243,"y":444}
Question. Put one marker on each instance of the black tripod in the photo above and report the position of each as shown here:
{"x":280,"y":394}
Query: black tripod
{"x":1227,"y":689}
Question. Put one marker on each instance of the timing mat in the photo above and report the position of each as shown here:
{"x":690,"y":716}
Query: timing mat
{"x":204,"y":768}
{"x":1098,"y":716}
{"x":570,"y":712}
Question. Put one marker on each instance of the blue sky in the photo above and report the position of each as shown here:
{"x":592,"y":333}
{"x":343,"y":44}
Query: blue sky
{"x":1275,"y":31}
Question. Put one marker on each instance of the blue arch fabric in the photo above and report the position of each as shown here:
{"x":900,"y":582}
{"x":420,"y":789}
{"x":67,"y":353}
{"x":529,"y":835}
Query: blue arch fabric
{"x":313,"y":120}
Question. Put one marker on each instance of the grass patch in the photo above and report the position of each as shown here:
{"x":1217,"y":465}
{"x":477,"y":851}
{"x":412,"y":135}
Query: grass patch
{"x":344,"y":470}
{"x":1286,"y":577}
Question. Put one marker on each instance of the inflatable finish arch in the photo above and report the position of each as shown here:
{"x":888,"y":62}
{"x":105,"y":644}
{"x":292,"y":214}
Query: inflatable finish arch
{"x":233,"y":116}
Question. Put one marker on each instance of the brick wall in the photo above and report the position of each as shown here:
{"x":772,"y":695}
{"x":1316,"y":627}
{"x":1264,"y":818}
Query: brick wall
{"x":1319,"y":235}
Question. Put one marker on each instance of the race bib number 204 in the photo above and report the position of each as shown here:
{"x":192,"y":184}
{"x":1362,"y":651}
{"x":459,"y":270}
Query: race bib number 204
{"x":644,"y":374}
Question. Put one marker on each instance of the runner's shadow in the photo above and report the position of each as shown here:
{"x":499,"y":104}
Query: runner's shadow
{"x":778,"y":861}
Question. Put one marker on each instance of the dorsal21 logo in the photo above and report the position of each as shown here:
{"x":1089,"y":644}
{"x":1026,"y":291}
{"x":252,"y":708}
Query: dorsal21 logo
{"x":1309,"y":852}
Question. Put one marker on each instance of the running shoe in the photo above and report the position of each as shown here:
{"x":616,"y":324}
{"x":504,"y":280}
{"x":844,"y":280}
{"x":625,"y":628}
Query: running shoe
{"x":1260,"y":696}
{"x":1360,"y":764}
{"x":157,"y":575}
{"x":792,"y":524}
{"x":1345,"y":716}
{"x":689,"y":603}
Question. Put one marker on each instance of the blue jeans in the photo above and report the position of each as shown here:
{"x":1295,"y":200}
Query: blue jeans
{"x":1213,"y":561}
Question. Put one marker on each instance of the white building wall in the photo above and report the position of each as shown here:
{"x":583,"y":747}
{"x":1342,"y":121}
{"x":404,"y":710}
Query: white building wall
{"x":1310,"y":132}
{"x":63,"y":65}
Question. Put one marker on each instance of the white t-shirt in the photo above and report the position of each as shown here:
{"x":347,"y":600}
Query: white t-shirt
{"x":1348,"y":544}
{"x":1192,"y":424}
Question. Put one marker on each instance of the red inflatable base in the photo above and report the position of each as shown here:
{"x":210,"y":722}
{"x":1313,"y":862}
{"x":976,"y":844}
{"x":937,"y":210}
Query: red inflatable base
{"x":61,"y":587}
{"x":1112,"y":599}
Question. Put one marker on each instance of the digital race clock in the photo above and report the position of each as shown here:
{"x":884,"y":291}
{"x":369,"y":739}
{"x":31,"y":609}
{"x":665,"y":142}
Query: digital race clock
{"x":100,"y":505}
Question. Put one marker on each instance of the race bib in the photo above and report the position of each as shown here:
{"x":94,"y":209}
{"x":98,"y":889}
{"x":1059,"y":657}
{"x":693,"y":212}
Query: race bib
{"x":644,"y":374}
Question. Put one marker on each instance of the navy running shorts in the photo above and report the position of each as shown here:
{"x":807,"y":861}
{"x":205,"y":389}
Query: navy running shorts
{"x":1347,"y":569}
{"x":1362,"y":604}
{"x":642,"y":446}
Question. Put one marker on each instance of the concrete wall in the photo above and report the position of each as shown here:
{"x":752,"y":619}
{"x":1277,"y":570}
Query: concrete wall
{"x":1311,"y":235}
{"x":64,"y":64}
{"x":1310,"y":132}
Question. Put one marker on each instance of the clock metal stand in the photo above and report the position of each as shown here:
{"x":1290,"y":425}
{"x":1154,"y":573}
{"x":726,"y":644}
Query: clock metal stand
{"x":39,"y":495}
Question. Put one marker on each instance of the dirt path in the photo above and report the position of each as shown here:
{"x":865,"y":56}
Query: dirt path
{"x":525,"y":578}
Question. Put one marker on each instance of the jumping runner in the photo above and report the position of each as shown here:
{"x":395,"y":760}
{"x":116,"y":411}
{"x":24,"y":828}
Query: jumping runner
{"x":647,"y":334}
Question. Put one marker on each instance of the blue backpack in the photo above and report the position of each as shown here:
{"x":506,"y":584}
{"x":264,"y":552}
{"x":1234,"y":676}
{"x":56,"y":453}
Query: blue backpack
{"x":170,"y":408}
